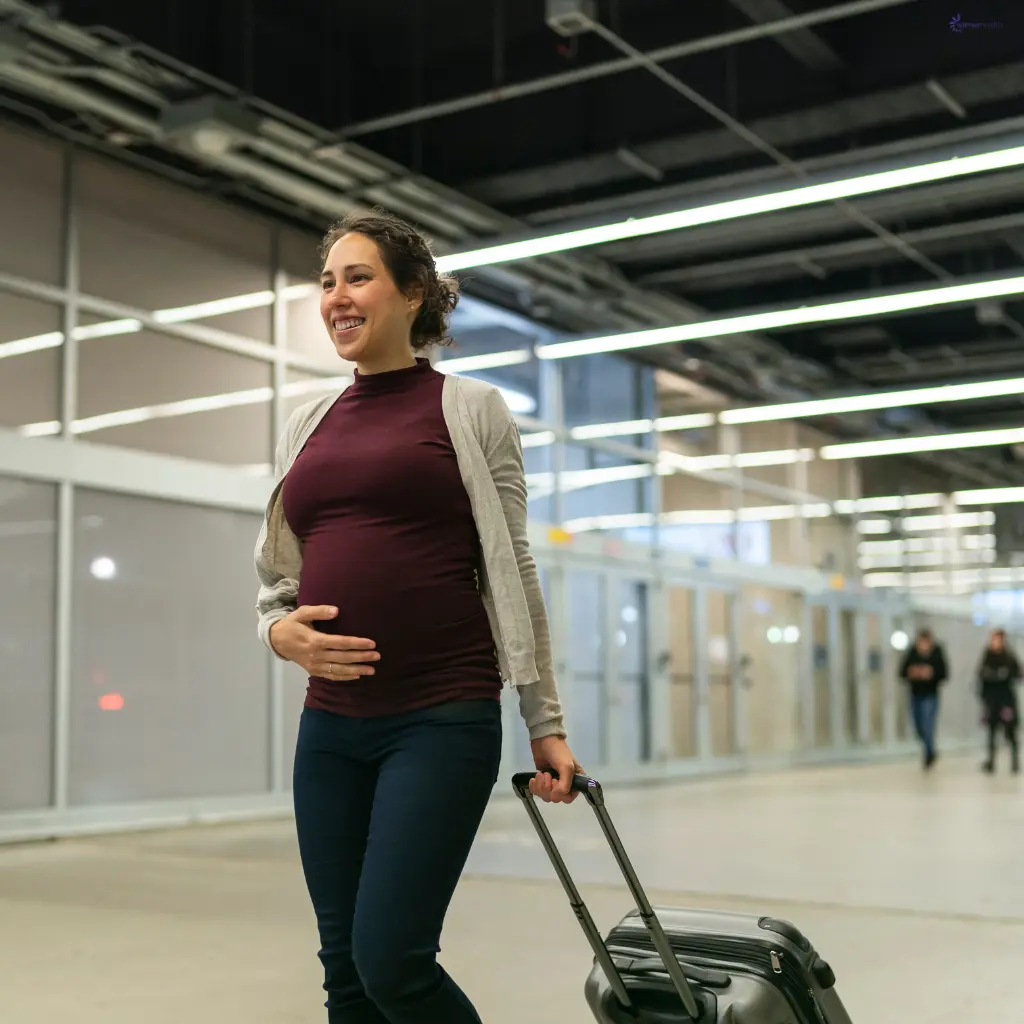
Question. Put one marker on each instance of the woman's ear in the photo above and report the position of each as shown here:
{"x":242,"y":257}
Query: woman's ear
{"x":414,"y":299}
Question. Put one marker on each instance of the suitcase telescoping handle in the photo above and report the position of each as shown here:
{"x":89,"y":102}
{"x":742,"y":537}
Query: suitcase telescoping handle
{"x":591,"y":789}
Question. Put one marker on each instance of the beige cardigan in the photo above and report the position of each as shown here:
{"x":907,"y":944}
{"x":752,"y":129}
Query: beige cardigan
{"x":490,"y":458}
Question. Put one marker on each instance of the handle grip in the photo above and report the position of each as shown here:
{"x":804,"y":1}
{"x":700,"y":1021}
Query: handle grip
{"x":580,"y":783}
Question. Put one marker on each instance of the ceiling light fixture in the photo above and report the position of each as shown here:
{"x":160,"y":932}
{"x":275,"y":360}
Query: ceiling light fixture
{"x":874,"y":400}
{"x":733,"y":209}
{"x":926,"y":443}
{"x":814,"y":313}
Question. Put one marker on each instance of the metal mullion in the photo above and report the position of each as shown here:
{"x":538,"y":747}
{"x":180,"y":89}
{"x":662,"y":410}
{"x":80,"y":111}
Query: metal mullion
{"x":64,"y":584}
{"x":279,"y":339}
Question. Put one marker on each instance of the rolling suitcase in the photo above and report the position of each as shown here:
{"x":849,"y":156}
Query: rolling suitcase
{"x":675,"y":966}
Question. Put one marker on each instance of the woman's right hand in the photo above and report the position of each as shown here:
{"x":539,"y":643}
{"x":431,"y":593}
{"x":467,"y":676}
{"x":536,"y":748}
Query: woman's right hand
{"x":324,"y":655}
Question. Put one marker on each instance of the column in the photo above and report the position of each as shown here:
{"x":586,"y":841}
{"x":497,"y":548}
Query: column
{"x":66,"y":499}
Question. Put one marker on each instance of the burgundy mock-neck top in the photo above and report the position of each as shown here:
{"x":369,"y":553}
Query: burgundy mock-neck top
{"x":377,"y":501}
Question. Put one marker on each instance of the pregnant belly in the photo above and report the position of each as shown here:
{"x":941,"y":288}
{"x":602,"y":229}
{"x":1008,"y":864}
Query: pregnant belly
{"x":421,"y":608}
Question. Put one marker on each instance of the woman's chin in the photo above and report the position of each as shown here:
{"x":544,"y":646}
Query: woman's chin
{"x":350,"y":351}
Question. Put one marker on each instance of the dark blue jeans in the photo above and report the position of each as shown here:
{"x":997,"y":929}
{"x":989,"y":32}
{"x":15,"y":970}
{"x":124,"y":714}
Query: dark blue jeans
{"x":386,"y":811}
{"x":924,"y":711}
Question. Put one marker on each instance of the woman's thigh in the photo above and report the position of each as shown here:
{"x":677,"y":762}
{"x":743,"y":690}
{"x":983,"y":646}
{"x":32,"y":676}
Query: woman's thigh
{"x":432,"y":789}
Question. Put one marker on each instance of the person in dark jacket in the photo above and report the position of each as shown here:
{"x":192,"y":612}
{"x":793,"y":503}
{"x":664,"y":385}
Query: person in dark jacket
{"x":998,"y":675}
{"x":924,"y":670}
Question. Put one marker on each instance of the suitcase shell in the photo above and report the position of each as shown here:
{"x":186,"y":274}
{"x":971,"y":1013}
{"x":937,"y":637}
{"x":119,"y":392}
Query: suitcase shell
{"x":768,"y":972}
{"x":678,"y":966}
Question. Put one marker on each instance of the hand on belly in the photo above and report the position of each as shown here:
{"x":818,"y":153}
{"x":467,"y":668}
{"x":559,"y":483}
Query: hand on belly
{"x":326,"y":655}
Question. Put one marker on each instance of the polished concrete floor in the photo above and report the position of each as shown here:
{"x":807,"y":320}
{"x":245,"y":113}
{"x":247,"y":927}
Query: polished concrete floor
{"x":912,"y":887}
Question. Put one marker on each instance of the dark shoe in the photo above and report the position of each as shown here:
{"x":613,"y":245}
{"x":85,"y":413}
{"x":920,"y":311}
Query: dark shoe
{"x":988,"y":768}
{"x":930,"y":759}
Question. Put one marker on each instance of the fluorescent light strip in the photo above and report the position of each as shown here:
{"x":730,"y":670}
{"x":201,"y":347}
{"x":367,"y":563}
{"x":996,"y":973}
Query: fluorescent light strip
{"x":887,"y":503}
{"x":927,"y":443}
{"x":732,"y":209}
{"x":875,"y":400}
{"x":743,"y":460}
{"x":699,"y":517}
{"x":965,"y":541}
{"x":215,"y":307}
{"x":538,"y":439}
{"x":574,"y":480}
{"x":963,"y":577}
{"x":922,"y":558}
{"x":917,"y":524}
{"x":954,"y":521}
{"x":989,"y":496}
{"x":624,"y":429}
{"x":37,"y":343}
{"x":485,"y":361}
{"x":823,"y":312}
{"x":184,"y":407}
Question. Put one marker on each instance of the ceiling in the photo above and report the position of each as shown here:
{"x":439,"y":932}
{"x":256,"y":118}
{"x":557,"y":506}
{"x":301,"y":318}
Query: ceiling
{"x":507,"y":127}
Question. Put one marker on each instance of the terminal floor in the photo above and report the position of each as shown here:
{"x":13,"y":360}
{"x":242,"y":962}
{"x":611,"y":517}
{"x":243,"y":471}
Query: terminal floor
{"x":912,"y":886}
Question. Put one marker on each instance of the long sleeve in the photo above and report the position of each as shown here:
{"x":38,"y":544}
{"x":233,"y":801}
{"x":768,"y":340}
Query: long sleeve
{"x":277,"y":594}
{"x":905,"y":664}
{"x":539,"y":702}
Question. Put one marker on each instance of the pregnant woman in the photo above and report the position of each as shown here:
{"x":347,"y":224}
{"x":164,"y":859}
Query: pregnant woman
{"x":394,"y":569}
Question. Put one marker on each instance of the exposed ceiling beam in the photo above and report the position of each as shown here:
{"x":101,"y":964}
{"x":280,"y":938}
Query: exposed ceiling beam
{"x":592,"y":72}
{"x":947,"y":199}
{"x":782,"y":264}
{"x":802,"y":44}
{"x":792,"y":128}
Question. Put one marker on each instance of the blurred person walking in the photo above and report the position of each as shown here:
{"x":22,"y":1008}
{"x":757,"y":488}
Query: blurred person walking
{"x":924,"y":670}
{"x":998,"y":675}
{"x":394,"y":569}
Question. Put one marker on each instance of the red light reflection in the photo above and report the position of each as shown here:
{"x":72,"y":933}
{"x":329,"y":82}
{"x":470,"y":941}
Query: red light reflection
{"x":111,"y":702}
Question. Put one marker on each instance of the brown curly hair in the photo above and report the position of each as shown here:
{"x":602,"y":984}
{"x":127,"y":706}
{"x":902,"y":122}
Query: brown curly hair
{"x":410,"y":262}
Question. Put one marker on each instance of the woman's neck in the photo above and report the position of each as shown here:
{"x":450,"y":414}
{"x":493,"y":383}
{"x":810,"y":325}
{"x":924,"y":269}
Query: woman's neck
{"x":400,"y":360}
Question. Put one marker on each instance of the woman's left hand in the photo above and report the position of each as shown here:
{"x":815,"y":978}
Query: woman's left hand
{"x":552,"y":752}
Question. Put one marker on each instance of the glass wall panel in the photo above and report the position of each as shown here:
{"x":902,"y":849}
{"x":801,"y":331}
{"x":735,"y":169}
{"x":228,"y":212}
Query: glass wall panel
{"x":902,"y":635}
{"x":605,"y":389}
{"x":634,"y":706}
{"x":170,"y":690}
{"x":29,"y":380}
{"x":597,"y":485}
{"x":538,"y":463}
{"x":155,"y":245}
{"x":587,"y":638}
{"x":875,"y":682}
{"x":27,"y":639}
{"x":162,"y":394}
{"x":31,"y":206}
{"x":822,"y":689}
{"x":681,"y":672}
{"x":720,"y":647}
{"x":770,"y":652}
{"x":850,"y":694}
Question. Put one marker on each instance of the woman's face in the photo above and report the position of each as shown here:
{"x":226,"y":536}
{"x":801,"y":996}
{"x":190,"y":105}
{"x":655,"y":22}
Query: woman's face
{"x":365,"y":314}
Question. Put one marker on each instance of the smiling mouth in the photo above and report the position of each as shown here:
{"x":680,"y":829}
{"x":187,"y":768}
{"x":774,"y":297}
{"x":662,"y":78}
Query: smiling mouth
{"x":343,"y":326}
